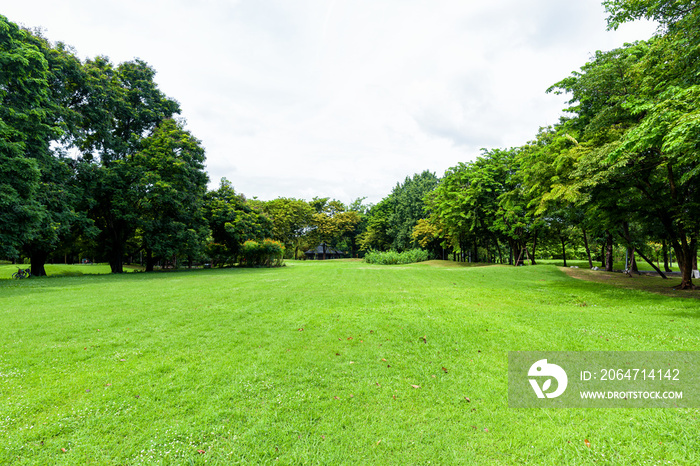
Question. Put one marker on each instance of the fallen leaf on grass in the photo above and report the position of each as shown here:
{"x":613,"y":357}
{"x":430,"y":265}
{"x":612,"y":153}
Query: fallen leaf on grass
{"x":336,"y":397}
{"x":64,"y":450}
{"x":588,"y":444}
{"x":383,"y":359}
{"x":468,"y":400}
{"x":349,"y":338}
{"x":415,"y":386}
{"x":301,"y":329}
{"x":201,"y":452}
{"x":444,"y":369}
{"x":486,"y":429}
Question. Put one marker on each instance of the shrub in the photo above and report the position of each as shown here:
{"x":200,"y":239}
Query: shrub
{"x":393,"y":257}
{"x":265,"y":253}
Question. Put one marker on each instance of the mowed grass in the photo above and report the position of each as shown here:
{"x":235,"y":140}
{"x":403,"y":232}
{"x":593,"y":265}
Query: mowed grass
{"x":316,"y":363}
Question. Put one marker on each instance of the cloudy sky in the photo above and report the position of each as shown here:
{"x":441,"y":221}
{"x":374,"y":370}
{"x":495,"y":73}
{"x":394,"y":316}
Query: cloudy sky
{"x":343,"y":98}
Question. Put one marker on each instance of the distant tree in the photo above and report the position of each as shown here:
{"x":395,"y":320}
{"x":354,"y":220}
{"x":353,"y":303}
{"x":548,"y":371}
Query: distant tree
{"x":331,"y":221}
{"x":232,"y":222}
{"x":376,"y":233}
{"x":291,"y":219}
{"x":408,"y":207}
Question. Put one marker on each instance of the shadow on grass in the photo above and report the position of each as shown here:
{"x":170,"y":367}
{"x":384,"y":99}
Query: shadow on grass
{"x":35,"y":285}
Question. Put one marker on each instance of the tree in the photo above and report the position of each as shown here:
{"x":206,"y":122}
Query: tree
{"x":170,"y":189}
{"x":291,"y":219}
{"x":123,"y":105}
{"x":24,"y":135}
{"x":59,"y":192}
{"x":408,"y":207}
{"x":232,"y":222}
{"x":331,"y":221}
{"x":376,"y":233}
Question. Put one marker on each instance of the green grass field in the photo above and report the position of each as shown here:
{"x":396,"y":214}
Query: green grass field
{"x":316,"y":363}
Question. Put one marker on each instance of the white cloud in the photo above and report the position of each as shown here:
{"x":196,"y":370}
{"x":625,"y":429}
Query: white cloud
{"x":343,"y":98}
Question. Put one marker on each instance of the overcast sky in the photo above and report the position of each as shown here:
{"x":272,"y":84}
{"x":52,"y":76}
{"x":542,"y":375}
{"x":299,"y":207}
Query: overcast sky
{"x":343,"y":98}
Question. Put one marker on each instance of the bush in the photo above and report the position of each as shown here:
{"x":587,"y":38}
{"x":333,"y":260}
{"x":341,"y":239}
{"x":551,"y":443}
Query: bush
{"x":393,"y":257}
{"x":265,"y":253}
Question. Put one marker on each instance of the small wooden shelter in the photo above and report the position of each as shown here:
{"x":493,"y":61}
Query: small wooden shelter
{"x":323,"y":251}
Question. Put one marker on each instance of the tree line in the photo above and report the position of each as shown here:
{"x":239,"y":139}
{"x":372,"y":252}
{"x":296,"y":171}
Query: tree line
{"x":622,"y":168}
{"x":95,"y":163}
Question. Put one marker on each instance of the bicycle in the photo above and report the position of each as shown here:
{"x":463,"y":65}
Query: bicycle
{"x":22,"y":273}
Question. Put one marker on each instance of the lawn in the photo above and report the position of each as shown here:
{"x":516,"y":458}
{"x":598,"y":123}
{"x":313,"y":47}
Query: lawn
{"x":335,"y":362}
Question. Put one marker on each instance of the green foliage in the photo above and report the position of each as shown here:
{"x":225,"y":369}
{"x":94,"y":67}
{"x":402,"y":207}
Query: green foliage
{"x":24,"y":135}
{"x":408,"y":207}
{"x":291,"y":219}
{"x":393,"y":257}
{"x":332,"y":221}
{"x":170,"y":186}
{"x":232,"y":222}
{"x":265,"y":253}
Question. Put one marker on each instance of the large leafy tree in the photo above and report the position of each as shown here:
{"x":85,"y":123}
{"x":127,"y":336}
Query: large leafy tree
{"x":59,"y":192}
{"x":25,"y":132}
{"x":169,"y":192}
{"x":123,"y":105}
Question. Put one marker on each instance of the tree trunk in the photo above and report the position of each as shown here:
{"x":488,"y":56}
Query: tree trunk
{"x":588,"y":251}
{"x":602,"y":254}
{"x":664,"y":249}
{"x":652,"y":264}
{"x":563,"y":249}
{"x":633,"y":266}
{"x":684,"y":256}
{"x":534,"y":247}
{"x":150,"y":262}
{"x":38,"y":260}
{"x":510,"y":253}
{"x":609,"y":252}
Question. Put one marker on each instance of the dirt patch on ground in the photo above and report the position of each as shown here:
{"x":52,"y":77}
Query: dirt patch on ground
{"x":654,"y":284}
